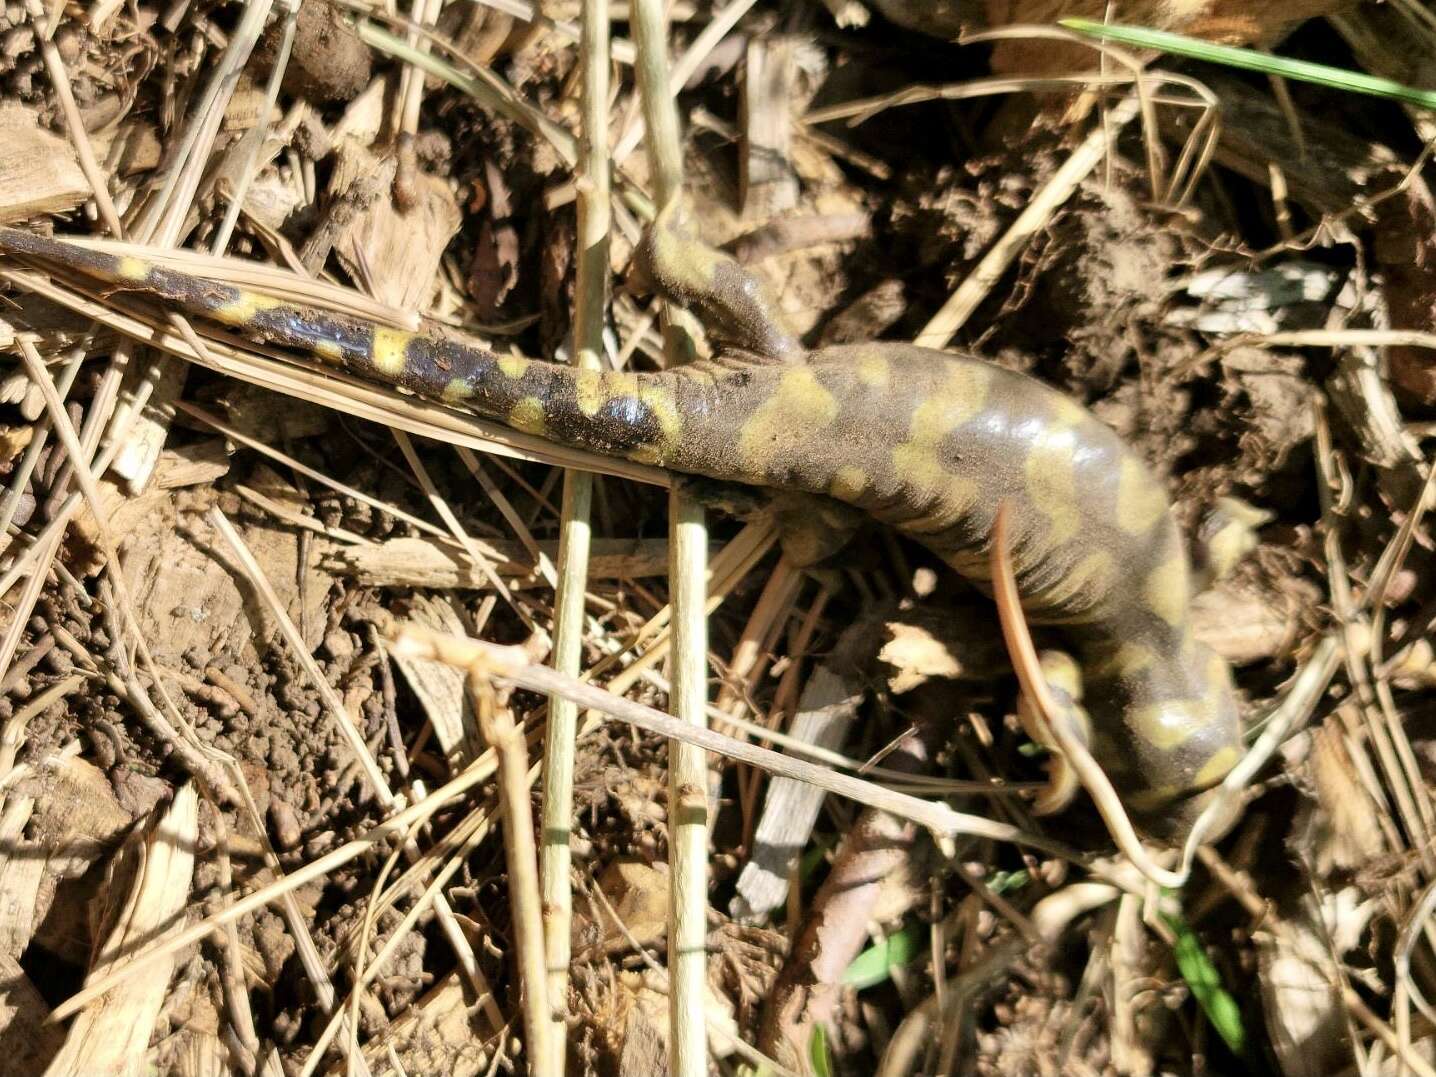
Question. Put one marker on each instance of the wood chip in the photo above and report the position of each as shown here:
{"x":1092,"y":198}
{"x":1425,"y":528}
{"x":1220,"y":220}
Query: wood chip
{"x":38,"y":170}
{"x":416,"y":562}
{"x":826,"y":712}
{"x":149,"y":889}
{"x":440,"y":687}
{"x":435,"y":1035}
{"x":30,"y":1042}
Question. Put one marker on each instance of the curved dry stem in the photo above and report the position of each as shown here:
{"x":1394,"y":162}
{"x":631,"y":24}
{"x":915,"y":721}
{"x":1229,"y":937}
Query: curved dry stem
{"x":1034,"y":686}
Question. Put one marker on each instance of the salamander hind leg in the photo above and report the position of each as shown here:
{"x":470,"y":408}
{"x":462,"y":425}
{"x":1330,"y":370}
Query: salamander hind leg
{"x":810,"y":529}
{"x":731,"y":302}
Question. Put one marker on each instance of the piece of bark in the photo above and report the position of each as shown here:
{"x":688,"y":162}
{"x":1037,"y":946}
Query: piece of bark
{"x":21,"y":869}
{"x":767,"y":183}
{"x":1244,"y":625}
{"x":394,"y":252}
{"x":437,"y":1034}
{"x":75,"y":820}
{"x":873,"y":879}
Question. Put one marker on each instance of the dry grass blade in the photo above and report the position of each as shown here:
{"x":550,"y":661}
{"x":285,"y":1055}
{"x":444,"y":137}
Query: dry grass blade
{"x":591,"y":275}
{"x":521,"y":855}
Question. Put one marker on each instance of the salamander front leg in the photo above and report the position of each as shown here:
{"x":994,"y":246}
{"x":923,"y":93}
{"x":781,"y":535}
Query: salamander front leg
{"x":732,"y":303}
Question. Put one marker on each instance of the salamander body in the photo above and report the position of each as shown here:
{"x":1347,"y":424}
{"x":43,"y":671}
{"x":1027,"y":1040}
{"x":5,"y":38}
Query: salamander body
{"x":927,"y":442}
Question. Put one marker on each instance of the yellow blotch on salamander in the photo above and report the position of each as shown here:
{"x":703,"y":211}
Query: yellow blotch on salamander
{"x":692,"y":266}
{"x":329,"y":349}
{"x":664,"y":409}
{"x":589,"y":388}
{"x":131,"y":268}
{"x":513,"y":366}
{"x":528,"y":415}
{"x":1170,"y":724}
{"x":1140,"y":500}
{"x":1166,"y":590}
{"x":457,"y":391}
{"x":948,"y":496}
{"x":389,"y":351}
{"x":1216,"y":768}
{"x":848,"y":483}
{"x":799,"y":408}
{"x":1128,"y":660}
{"x":1051,"y":483}
{"x":874,"y":370}
{"x":959,"y":401}
{"x":240,"y":311}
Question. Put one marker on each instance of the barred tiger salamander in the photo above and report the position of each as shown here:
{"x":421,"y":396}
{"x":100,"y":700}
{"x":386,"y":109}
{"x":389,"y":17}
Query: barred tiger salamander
{"x":927,"y":442}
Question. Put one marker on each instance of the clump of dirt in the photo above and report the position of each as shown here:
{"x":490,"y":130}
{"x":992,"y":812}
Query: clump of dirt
{"x":327,"y":62}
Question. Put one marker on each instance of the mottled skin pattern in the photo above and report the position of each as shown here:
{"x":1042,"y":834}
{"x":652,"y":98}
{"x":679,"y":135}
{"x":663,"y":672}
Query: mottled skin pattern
{"x":927,"y":442}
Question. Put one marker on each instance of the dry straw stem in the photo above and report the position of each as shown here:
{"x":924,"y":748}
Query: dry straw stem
{"x":487,"y":89}
{"x":620,"y":51}
{"x":161,"y":220}
{"x":591,"y":275}
{"x":688,"y":821}
{"x":287,"y":628}
{"x":270,"y":280}
{"x":259,"y":134}
{"x":521,"y":856}
{"x":1393,"y":751}
{"x":74,"y":120}
{"x":37,"y":560}
{"x":513,"y":665}
{"x":456,"y":528}
{"x":703,"y":45}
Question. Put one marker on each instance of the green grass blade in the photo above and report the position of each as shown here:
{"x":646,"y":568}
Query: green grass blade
{"x":819,"y":1057}
{"x":1206,"y":984}
{"x":873,"y":965}
{"x":1338,"y":78}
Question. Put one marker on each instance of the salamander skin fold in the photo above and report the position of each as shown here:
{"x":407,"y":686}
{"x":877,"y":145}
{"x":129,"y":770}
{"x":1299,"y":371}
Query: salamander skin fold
{"x":927,"y":442}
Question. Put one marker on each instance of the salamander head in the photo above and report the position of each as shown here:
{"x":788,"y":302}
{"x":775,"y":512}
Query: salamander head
{"x":1167,"y":730}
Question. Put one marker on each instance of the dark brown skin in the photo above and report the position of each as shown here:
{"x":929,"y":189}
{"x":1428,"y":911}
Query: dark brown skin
{"x":927,"y":442}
